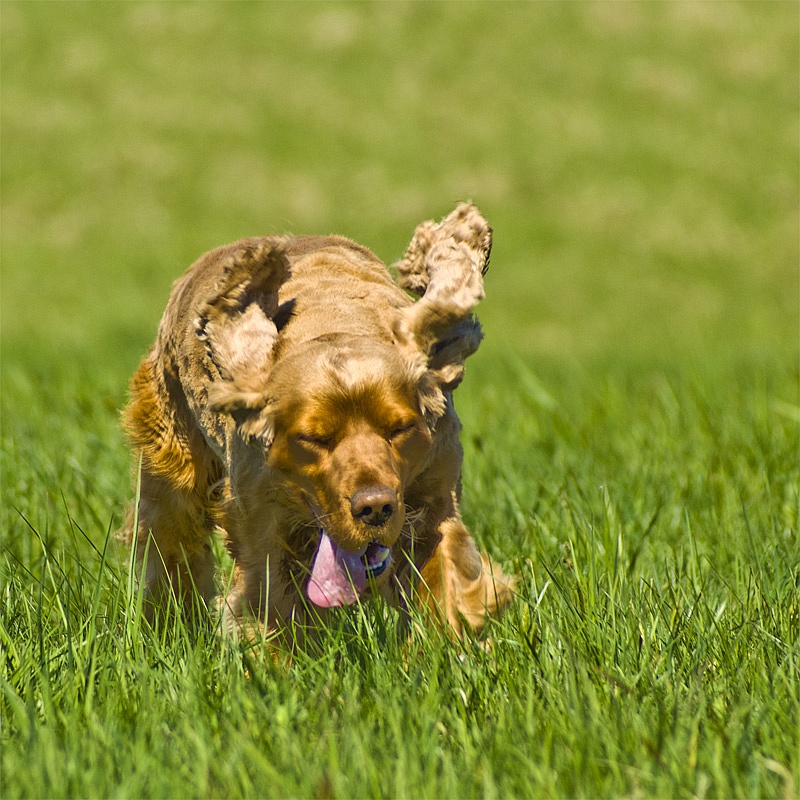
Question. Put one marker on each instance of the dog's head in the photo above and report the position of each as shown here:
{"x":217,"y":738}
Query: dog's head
{"x":348,"y":437}
{"x":347,"y":422}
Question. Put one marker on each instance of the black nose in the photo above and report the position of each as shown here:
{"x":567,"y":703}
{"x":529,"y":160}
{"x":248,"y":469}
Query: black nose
{"x":373,"y":505}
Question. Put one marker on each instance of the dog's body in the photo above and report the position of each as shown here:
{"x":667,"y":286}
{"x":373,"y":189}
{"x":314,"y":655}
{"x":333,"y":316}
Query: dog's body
{"x":298,"y":399}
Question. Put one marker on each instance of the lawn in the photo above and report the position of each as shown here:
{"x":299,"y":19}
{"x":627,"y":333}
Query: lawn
{"x":631,"y":422}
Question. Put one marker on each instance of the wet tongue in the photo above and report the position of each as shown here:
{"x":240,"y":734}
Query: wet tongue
{"x":337,"y":576}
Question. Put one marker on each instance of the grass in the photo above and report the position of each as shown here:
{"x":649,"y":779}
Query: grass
{"x":653,"y":650}
{"x":630,"y":423}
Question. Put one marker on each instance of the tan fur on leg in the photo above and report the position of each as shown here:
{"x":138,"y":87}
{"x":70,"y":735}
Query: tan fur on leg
{"x":174,"y":518}
{"x":459,"y":584}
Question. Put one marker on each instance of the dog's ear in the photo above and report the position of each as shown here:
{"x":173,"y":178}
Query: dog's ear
{"x":464,"y":225}
{"x":444,"y":265}
{"x":236,"y":323}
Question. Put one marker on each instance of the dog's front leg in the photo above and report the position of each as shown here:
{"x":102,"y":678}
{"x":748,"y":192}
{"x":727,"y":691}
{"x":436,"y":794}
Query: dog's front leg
{"x":458,"y":584}
{"x":263,"y":596}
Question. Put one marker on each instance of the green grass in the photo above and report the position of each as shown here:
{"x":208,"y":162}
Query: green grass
{"x":630,"y":423}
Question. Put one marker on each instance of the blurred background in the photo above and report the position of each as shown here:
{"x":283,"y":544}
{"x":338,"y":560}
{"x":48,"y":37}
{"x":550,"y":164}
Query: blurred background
{"x":638,"y":162}
{"x":631,"y":429}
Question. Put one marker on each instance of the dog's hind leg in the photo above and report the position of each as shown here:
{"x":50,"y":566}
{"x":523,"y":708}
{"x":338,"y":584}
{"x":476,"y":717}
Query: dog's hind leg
{"x":172,"y":546}
{"x":170,"y":527}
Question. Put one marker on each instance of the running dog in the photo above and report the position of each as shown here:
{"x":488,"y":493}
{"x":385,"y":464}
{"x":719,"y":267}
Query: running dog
{"x":300,"y":401}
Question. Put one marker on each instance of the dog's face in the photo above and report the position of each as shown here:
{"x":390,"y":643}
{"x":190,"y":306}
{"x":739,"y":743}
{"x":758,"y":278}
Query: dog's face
{"x":348,"y":437}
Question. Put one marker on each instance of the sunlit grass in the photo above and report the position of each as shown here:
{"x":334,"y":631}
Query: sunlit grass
{"x":653,"y":648}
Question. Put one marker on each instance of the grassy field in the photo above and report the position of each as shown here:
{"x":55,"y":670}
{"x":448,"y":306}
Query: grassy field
{"x":631,"y":421}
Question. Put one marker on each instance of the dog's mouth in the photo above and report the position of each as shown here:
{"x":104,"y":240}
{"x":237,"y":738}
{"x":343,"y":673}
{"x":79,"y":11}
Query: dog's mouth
{"x":338,"y":577}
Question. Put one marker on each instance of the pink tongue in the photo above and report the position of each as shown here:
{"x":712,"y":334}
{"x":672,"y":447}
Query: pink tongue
{"x":337,"y":577}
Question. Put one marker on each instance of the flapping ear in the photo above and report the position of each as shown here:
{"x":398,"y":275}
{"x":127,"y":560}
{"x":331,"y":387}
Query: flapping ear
{"x":444,"y":265}
{"x":236,"y":324}
{"x":463,"y":225}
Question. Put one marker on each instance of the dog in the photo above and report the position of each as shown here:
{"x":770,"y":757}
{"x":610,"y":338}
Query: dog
{"x":300,"y":401}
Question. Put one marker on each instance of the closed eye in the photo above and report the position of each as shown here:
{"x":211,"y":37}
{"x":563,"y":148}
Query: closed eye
{"x":401,"y":430}
{"x":320,"y":442}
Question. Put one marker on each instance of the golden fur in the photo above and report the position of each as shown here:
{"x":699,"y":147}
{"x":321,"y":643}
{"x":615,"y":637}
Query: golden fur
{"x":300,"y":401}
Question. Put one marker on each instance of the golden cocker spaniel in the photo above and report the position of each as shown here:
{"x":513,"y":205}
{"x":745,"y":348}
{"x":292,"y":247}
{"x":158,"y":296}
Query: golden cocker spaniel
{"x":300,"y":401}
